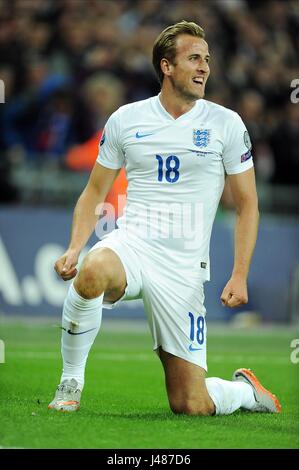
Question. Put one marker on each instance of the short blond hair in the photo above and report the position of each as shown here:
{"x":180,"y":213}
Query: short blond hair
{"x":165,"y":44}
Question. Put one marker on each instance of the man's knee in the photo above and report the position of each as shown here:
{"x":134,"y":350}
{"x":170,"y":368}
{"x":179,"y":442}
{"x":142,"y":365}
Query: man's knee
{"x":94,"y":276}
{"x":192,"y":407}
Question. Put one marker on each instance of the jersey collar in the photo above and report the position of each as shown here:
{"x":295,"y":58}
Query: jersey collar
{"x":184,"y":117}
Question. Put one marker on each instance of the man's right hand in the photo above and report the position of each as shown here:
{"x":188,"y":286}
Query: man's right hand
{"x":65,"y":266}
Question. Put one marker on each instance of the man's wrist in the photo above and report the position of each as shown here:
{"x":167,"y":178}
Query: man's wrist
{"x":242,"y":275}
{"x":74,"y":249}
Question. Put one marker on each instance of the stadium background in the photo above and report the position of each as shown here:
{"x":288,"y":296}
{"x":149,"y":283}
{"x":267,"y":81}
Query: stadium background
{"x":68,"y":64}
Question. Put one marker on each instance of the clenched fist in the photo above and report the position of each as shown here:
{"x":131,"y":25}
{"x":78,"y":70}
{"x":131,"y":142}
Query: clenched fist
{"x":65,"y":266}
{"x":235,"y":292}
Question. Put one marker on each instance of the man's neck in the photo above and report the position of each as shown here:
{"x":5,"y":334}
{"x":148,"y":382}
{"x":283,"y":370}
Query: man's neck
{"x":175,"y":106}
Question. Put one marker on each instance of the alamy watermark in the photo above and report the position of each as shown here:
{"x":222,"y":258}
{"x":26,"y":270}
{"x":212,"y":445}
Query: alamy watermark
{"x":295,"y":93}
{"x":2,"y":92}
{"x":183,"y":223}
{"x":295,"y":353}
{"x":2,"y":352}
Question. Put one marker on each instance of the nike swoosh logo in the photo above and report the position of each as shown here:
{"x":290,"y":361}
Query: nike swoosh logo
{"x":82,"y":332}
{"x":191,"y":348}
{"x":139,"y":136}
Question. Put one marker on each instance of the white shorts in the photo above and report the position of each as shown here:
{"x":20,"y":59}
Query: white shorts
{"x":173,"y":299}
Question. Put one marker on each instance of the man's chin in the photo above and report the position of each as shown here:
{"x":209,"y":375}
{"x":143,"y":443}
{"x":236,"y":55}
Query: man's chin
{"x":200,"y":94}
{"x":193,"y":95}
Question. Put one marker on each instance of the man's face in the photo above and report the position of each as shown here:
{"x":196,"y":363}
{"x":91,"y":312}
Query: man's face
{"x":190,"y":71}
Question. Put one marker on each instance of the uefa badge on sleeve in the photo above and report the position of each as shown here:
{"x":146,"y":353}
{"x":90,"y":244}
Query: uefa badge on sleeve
{"x":246,"y":156}
{"x":247,"y":140}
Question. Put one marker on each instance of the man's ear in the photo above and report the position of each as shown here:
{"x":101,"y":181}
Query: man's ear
{"x":166,"y":67}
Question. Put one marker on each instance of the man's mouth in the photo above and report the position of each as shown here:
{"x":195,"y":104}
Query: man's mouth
{"x":198,"y":80}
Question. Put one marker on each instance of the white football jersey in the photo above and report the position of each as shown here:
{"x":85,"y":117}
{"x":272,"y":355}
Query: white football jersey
{"x":175,"y":170}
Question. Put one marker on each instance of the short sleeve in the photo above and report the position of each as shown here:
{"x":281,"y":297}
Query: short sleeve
{"x":110,"y":153}
{"x":237,"y":155}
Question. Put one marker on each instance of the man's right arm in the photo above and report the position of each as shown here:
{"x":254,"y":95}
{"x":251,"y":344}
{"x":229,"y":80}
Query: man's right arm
{"x":85,"y":218}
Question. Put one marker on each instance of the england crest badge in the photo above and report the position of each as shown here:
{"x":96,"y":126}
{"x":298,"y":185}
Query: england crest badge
{"x":201,"y":137}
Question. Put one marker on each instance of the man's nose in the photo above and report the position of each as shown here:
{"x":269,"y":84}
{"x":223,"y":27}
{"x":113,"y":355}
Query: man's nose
{"x":203,"y":67}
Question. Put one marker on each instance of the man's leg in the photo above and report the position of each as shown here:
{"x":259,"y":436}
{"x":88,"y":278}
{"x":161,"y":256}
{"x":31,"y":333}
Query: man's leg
{"x":186,"y":386}
{"x":174,"y":304}
{"x":190,"y":393}
{"x":101,"y":272}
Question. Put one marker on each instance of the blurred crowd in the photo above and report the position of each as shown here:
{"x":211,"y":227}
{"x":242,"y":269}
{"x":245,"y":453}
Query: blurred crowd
{"x":68,"y":64}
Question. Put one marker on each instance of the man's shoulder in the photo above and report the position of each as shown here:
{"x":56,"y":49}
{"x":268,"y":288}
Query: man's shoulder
{"x":128,"y":113}
{"x":136,"y":106}
{"x":221,"y":111}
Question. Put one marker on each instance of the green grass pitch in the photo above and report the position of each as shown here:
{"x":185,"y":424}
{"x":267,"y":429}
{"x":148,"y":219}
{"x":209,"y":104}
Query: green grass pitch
{"x":124,"y":404}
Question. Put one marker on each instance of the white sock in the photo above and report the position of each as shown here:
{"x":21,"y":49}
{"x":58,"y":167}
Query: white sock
{"x":79,"y":316}
{"x":230,"y":396}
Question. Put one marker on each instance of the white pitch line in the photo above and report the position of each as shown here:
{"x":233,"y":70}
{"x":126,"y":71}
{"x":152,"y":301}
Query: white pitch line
{"x":119,"y":357}
{"x":4,"y":447}
{"x":103,"y":356}
{"x":248,"y":359}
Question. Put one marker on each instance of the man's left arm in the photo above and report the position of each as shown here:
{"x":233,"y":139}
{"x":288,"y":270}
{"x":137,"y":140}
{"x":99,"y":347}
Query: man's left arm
{"x":244,"y":194}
